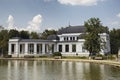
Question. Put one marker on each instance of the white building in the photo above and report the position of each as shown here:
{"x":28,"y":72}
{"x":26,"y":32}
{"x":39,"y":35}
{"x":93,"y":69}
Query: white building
{"x":68,"y":41}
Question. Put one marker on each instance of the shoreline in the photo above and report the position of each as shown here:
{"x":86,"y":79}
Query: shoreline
{"x":108,"y":62}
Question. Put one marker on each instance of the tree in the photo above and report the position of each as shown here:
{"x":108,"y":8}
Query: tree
{"x":115,"y":40}
{"x":34,"y":35}
{"x":92,"y":38}
{"x":4,"y":37}
{"x":46,"y":33}
{"x":13,"y":33}
{"x":24,"y":34}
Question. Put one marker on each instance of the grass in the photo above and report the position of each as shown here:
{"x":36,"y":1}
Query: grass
{"x":74,"y":57}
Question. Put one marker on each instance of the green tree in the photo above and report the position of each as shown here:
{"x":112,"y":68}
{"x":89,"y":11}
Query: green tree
{"x":24,"y":34}
{"x":46,"y":33}
{"x":115,"y":40}
{"x":92,"y":38}
{"x":4,"y":37}
{"x":13,"y":33}
{"x":34,"y":35}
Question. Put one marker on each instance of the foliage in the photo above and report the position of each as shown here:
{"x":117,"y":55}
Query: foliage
{"x":34,"y":35}
{"x":13,"y":33}
{"x":115,"y":40}
{"x":57,"y":54}
{"x":29,"y":56}
{"x":46,"y":33}
{"x":24,"y":34}
{"x":43,"y":56}
{"x":82,"y":36}
{"x":92,"y":38}
{"x":99,"y":55}
{"x":4,"y":36}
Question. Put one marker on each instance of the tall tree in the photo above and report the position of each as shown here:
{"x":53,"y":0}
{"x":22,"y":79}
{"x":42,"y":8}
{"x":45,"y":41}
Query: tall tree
{"x":24,"y":34}
{"x":13,"y":33}
{"x":92,"y":38}
{"x":46,"y":33}
{"x":34,"y":35}
{"x":4,"y":37}
{"x":115,"y":40}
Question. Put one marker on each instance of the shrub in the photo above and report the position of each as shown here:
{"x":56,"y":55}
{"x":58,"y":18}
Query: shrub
{"x":43,"y":56}
{"x":28,"y":56}
{"x":7,"y":56}
{"x":99,"y":55}
{"x":57,"y":54}
{"x":83,"y":57}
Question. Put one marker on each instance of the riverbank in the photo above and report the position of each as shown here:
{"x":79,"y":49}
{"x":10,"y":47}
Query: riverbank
{"x":108,"y":62}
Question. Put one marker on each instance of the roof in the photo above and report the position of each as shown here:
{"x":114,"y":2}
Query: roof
{"x":15,"y":38}
{"x":72,"y":29}
{"x":52,"y":37}
{"x":34,"y":40}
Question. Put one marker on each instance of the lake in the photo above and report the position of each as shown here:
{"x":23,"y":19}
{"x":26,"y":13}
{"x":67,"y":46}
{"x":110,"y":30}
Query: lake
{"x":56,"y":70}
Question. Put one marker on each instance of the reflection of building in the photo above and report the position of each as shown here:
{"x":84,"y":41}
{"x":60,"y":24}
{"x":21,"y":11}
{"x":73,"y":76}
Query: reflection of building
{"x":68,"y":41}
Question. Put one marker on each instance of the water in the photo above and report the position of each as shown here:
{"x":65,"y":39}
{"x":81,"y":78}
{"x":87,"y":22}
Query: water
{"x":56,"y":70}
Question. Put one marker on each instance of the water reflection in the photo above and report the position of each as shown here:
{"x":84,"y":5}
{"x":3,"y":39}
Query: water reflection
{"x":56,"y":70}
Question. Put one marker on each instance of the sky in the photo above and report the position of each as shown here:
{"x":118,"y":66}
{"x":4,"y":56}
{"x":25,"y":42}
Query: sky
{"x":38,"y":15}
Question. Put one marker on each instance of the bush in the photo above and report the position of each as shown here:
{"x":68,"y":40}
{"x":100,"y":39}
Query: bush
{"x":43,"y":56}
{"x":8,"y":56}
{"x":57,"y":54}
{"x":83,"y":57}
{"x":28,"y":56}
{"x":99,"y":55}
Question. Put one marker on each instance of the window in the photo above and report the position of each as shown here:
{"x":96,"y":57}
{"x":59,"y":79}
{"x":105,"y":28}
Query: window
{"x":77,"y":38}
{"x":39,"y":48}
{"x":52,"y":48}
{"x":31,"y":48}
{"x":73,"y":48}
{"x":60,"y":48}
{"x":66,"y":48}
{"x":64,"y":38}
{"x":22,"y":48}
{"x":70,"y":38}
{"x":46,"y":49}
{"x":67,"y":38}
{"x":13,"y":48}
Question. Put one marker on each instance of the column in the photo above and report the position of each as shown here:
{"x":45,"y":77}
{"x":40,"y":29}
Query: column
{"x":17,"y":48}
{"x":70,"y":48}
{"x":26,"y":48}
{"x":35,"y":48}
{"x":9,"y":49}
{"x":43,"y":48}
{"x":55,"y":48}
{"x":75,"y":38}
{"x":63,"y":48}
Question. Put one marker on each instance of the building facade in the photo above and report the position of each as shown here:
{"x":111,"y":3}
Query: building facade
{"x":68,"y":41}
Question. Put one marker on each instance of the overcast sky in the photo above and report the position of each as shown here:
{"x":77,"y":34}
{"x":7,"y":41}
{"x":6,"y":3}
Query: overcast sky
{"x":37,"y":15}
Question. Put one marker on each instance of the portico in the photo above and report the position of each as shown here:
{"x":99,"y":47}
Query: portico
{"x":20,"y":47}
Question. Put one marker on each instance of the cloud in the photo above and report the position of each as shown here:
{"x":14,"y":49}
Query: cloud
{"x":80,"y":2}
{"x":10,"y":22}
{"x":118,"y":15}
{"x":34,"y":25}
{"x":115,"y":24}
